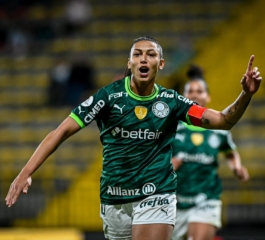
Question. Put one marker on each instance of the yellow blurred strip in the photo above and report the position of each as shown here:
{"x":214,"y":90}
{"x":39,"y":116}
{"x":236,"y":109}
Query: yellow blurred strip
{"x":33,"y":234}
{"x":243,"y":197}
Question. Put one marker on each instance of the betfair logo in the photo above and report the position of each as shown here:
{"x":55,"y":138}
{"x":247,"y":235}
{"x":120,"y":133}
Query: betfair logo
{"x":140,"y":134}
{"x":198,"y":157}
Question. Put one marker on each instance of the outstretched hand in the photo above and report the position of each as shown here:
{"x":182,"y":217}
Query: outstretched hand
{"x":251,"y":79}
{"x":242,"y":174}
{"x":20,"y":184}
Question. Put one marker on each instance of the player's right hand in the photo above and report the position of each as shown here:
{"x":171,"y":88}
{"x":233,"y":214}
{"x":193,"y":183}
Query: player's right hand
{"x":20,"y":184}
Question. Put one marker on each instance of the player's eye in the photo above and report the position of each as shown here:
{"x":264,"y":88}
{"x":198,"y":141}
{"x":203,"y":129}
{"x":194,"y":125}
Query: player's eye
{"x":152,"y":54}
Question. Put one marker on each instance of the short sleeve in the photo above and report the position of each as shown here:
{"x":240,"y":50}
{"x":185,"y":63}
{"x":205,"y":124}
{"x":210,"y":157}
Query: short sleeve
{"x":228,"y":143}
{"x":91,"y":109}
{"x":182,"y":107}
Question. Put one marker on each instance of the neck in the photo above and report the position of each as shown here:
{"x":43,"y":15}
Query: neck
{"x":141,"y":88}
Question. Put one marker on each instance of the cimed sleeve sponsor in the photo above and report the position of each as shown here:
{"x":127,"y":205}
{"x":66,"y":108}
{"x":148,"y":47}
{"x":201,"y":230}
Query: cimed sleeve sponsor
{"x":183,"y":105}
{"x":90,"y":109}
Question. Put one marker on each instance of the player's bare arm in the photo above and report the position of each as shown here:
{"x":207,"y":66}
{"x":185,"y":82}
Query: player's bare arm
{"x":51,"y":142}
{"x":234,"y":163}
{"x":226,"y":119}
{"x":176,"y":163}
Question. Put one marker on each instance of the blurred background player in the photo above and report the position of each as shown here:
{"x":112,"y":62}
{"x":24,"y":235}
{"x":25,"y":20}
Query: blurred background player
{"x":195,"y":160}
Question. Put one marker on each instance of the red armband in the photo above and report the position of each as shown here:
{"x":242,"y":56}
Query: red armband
{"x":195,"y":115}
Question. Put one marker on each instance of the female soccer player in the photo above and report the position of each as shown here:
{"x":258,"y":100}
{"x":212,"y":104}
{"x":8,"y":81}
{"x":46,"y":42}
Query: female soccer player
{"x":137,"y":120}
{"x":195,"y":152}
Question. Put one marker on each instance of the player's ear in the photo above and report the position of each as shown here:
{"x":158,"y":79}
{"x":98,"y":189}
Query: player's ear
{"x":129,"y":63}
{"x":161,"y":64}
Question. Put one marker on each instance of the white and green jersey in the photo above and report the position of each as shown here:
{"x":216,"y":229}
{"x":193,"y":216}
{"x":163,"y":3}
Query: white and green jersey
{"x":136,"y":132}
{"x":197,"y":176}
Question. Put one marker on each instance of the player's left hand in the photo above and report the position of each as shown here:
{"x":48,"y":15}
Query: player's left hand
{"x":241,"y":173}
{"x":251,"y":80}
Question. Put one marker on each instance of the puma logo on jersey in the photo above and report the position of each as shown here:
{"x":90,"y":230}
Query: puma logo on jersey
{"x":116,"y":106}
{"x":80,"y":110}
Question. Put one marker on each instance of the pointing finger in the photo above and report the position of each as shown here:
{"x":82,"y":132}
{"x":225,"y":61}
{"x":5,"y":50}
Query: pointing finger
{"x":250,"y":63}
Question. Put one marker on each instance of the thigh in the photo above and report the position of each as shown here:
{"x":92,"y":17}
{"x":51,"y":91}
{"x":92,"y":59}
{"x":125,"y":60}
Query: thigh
{"x":156,"y":231}
{"x":201,"y":231}
{"x":117,"y":222}
{"x":154,"y":217}
{"x":204,"y":220}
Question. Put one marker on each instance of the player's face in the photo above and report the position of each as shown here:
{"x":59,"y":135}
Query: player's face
{"x":196,"y":91}
{"x":145,"y":61}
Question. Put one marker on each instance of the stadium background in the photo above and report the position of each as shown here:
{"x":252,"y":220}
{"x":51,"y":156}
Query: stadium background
{"x":219,"y":35}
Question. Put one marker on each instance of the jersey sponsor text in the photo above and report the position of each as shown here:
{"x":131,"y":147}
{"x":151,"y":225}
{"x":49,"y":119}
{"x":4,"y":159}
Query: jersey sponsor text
{"x":186,"y":100}
{"x":118,"y":95}
{"x":95,"y":110}
{"x":156,"y":202}
{"x":165,"y":95}
{"x":140,"y":134}
{"x":198,"y":157}
{"x":118,"y":191}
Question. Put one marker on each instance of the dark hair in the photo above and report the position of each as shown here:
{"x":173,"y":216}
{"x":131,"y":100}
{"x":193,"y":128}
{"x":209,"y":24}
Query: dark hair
{"x":195,"y":73}
{"x":127,"y":71}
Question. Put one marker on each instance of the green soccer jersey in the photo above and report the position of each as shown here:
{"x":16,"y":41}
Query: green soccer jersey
{"x":136,"y":132}
{"x":197,"y":176}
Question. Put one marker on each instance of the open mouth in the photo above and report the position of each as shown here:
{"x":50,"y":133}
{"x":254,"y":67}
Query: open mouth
{"x":144,"y":71}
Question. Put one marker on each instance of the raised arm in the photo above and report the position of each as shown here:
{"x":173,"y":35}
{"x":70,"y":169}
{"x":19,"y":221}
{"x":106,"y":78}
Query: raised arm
{"x":226,"y":119}
{"x":50,"y":143}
